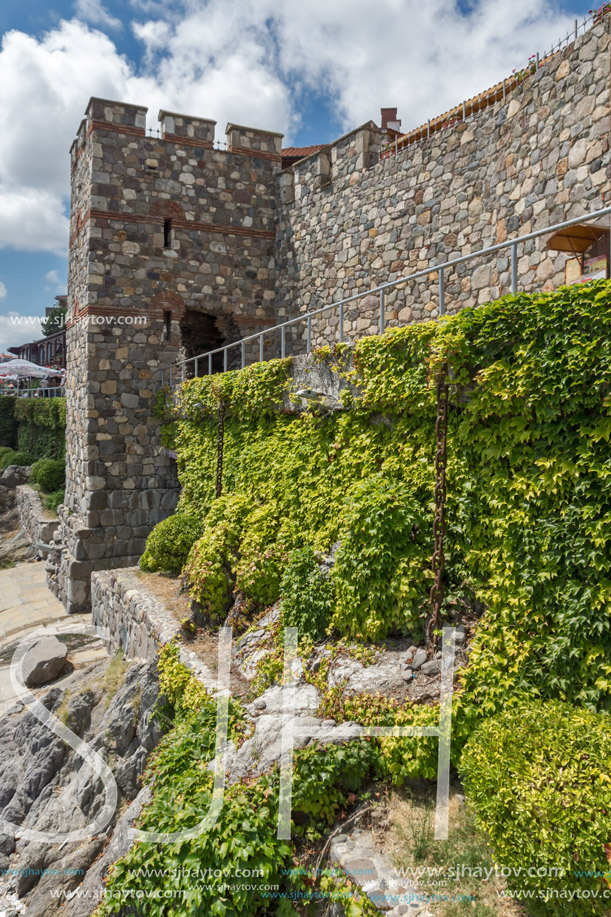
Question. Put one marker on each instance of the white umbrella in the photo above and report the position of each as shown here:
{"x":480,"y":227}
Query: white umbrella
{"x":25,"y":370}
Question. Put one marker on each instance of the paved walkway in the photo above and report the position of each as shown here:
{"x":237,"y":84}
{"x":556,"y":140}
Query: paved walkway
{"x":25,"y":604}
{"x":25,"y":600}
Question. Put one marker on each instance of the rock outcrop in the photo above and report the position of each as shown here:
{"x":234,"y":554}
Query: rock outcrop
{"x":46,"y":786}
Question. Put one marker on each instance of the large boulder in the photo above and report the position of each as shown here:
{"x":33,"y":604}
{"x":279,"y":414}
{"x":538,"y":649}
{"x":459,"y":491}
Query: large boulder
{"x":15,"y":475}
{"x":44,"y":661}
{"x":16,"y":550}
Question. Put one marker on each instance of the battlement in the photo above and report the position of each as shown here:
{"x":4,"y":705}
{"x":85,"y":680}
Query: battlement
{"x":357,"y":150}
{"x":119,"y":114}
{"x":251,"y":138}
{"x":186,"y":127}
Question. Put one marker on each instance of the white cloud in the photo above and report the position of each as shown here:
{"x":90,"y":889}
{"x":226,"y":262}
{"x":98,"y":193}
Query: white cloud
{"x":18,"y":329}
{"x":56,"y":283}
{"x":2,"y":290}
{"x":246,"y":61}
{"x":32,"y":220}
{"x":94,"y":12}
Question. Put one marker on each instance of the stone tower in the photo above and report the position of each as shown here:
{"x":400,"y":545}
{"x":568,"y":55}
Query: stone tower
{"x":171,"y":254}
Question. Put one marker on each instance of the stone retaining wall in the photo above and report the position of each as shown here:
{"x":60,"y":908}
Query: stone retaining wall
{"x":32,"y":519}
{"x":136,"y":622}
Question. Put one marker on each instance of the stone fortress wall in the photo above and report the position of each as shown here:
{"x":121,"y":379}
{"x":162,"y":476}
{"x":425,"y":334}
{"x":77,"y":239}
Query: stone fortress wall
{"x":171,"y":240}
{"x":177,"y":246}
{"x":538,"y":157}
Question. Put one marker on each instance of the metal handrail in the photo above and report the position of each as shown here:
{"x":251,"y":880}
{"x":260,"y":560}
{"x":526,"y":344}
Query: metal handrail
{"x":440,"y":269}
{"x":500,"y":91}
{"x":55,"y":392}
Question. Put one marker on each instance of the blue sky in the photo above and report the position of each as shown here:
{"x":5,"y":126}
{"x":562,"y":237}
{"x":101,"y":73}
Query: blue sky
{"x":310,"y":68}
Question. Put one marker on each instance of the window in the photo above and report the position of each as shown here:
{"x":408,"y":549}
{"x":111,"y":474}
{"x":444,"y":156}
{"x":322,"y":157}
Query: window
{"x":167,"y":233}
{"x":167,"y":317}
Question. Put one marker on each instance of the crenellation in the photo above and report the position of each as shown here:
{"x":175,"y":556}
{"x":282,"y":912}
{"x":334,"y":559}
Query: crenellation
{"x":185,"y":127}
{"x":119,"y":114}
{"x":241,"y":138}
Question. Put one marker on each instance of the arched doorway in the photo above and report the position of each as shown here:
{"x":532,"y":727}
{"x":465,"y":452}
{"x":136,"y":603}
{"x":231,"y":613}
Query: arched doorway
{"x":199,"y":334}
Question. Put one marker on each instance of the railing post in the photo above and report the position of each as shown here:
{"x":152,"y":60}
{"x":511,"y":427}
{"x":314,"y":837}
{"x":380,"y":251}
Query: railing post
{"x":282,"y":342}
{"x":171,"y":377}
{"x":341,"y":323}
{"x":309,"y":334}
{"x":196,"y":373}
{"x":225,"y":359}
{"x":242,"y":355}
{"x":261,"y":347}
{"x":209,"y":364}
{"x":514,"y":268}
{"x":382,"y":316}
{"x":183,"y":372}
{"x":442,"y":293}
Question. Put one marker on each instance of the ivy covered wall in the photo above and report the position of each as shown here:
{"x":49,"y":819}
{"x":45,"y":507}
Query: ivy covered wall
{"x":41,"y":426}
{"x":8,"y":422}
{"x":528,"y":488}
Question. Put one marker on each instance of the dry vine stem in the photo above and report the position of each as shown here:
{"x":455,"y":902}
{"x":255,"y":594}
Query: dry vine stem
{"x":220,"y":444}
{"x":439,"y":522}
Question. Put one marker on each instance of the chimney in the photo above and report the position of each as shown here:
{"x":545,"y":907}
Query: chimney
{"x":389,"y":120}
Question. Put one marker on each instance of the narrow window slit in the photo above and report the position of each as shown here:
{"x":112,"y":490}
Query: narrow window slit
{"x":167,"y":233}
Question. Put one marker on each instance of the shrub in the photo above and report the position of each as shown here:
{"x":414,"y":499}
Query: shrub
{"x":538,"y":779}
{"x":209,"y":567}
{"x":15,"y":458}
{"x":168,"y":545}
{"x":306,"y":595}
{"x":4,"y":450}
{"x":52,"y":501}
{"x":50,"y":474}
{"x":263,"y":554}
{"x":379,"y":576}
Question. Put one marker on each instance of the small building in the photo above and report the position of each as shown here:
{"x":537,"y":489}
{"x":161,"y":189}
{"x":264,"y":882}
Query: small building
{"x":47,"y":351}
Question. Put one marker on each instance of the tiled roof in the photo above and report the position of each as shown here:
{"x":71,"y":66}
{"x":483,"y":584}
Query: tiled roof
{"x":299,"y":152}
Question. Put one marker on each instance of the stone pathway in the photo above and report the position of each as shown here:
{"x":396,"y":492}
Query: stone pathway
{"x":357,"y":855}
{"x":25,"y":600}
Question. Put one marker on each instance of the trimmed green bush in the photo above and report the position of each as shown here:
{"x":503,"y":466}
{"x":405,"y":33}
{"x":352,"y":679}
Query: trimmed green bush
{"x":15,"y":458}
{"x":538,"y":777}
{"x":168,"y":545}
{"x":8,"y":422}
{"x":306,"y":595}
{"x":4,"y":450}
{"x":50,"y":474}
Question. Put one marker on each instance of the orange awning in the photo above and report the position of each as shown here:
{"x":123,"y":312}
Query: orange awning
{"x":576,"y":239}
